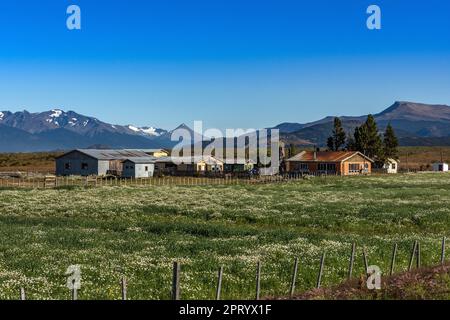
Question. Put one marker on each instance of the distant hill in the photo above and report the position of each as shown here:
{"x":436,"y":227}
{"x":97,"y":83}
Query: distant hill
{"x":416,"y":124}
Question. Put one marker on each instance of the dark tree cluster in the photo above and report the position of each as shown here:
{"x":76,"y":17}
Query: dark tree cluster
{"x":365,"y":139}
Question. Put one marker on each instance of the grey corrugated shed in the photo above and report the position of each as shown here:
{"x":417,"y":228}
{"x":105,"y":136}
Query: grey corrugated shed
{"x":141,"y":160}
{"x":112,"y":154}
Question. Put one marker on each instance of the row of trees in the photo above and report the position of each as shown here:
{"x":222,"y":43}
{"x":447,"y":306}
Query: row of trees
{"x":365,"y":139}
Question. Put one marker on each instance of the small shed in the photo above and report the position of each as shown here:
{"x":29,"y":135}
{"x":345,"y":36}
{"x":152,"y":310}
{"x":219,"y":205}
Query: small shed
{"x":140,"y":167}
{"x":391,"y":165}
{"x":440,"y":167}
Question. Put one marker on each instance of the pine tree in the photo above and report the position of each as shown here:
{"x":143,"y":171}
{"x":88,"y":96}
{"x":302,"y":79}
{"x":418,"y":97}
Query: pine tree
{"x":330,"y":143}
{"x":360,"y":139}
{"x":390,"y":143}
{"x":337,"y":140}
{"x":351,"y":144}
{"x":374,"y":147}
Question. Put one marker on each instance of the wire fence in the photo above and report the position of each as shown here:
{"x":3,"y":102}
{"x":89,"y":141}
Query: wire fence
{"x":97,"y":181}
{"x":260,"y":272}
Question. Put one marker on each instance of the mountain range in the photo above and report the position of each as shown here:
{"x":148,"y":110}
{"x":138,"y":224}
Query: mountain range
{"x":59,"y":130}
{"x":415,"y":124}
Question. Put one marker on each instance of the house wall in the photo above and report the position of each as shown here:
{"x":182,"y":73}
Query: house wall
{"x":391,"y":167}
{"x":74,"y":160}
{"x":313,"y":167}
{"x":436,"y":167}
{"x":360,"y":162}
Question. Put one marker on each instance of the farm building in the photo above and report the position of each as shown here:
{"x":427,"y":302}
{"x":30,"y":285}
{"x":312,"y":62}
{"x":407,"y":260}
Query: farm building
{"x":440,"y":167}
{"x":238,"y":165}
{"x":186,"y":165}
{"x":391,"y":165}
{"x":140,"y":167}
{"x":86,"y":162}
{"x":330,"y":162}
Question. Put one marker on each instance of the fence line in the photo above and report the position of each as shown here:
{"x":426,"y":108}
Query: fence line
{"x":176,"y":277}
{"x":51,"y":182}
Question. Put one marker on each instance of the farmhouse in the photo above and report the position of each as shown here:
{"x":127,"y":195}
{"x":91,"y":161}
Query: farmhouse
{"x":86,"y":162}
{"x":330,"y":162}
{"x":440,"y":167}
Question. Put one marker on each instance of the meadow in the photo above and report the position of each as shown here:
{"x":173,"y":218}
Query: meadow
{"x":139,"y":231}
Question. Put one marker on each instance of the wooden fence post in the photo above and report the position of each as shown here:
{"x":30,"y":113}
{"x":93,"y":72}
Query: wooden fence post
{"x":219,"y":283}
{"x":394,"y":254}
{"x":418,"y":255}
{"x":443,"y":251}
{"x":22,"y":294}
{"x":294,"y":278}
{"x":124,"y":288}
{"x":176,"y":281}
{"x":366,"y":263}
{"x":258,"y":280}
{"x":411,"y":259}
{"x":352,"y":260}
{"x":319,"y":277}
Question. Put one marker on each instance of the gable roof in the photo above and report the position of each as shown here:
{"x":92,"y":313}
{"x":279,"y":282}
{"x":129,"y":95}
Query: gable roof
{"x":111,"y":154}
{"x":326,"y":156}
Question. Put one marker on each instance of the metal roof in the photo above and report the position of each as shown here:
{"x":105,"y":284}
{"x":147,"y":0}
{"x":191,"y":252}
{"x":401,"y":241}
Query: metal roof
{"x":326,"y":156}
{"x":116,"y":154}
{"x":141,"y":160}
{"x":148,"y":150}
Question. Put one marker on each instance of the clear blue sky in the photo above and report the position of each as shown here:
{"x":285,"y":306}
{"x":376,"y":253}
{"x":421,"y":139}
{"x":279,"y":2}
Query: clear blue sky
{"x":230,"y":63}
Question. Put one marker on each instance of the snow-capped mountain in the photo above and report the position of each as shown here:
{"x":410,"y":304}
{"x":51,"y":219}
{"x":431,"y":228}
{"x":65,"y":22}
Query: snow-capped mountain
{"x":59,"y":129}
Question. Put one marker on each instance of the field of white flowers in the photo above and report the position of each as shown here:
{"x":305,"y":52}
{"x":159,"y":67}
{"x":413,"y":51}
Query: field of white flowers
{"x":139,"y":231}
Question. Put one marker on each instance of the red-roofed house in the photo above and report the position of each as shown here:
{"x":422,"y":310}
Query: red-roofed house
{"x":330,"y":162}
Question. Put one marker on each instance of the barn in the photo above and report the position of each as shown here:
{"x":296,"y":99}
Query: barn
{"x":86,"y":162}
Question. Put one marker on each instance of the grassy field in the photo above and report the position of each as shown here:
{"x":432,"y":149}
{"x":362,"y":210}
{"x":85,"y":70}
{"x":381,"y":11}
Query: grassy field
{"x":140,"y":231}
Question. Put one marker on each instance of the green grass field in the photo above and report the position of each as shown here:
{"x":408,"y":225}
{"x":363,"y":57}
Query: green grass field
{"x":140,"y":231}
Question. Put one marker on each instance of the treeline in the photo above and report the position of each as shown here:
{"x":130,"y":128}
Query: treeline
{"x":365,"y":139}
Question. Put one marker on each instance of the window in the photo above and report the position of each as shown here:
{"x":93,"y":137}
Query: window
{"x":67,"y":166}
{"x":304,"y":166}
{"x":353,"y":167}
{"x":327,"y":167}
{"x":393,"y":166}
{"x":146,"y":168}
{"x":84,"y":166}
